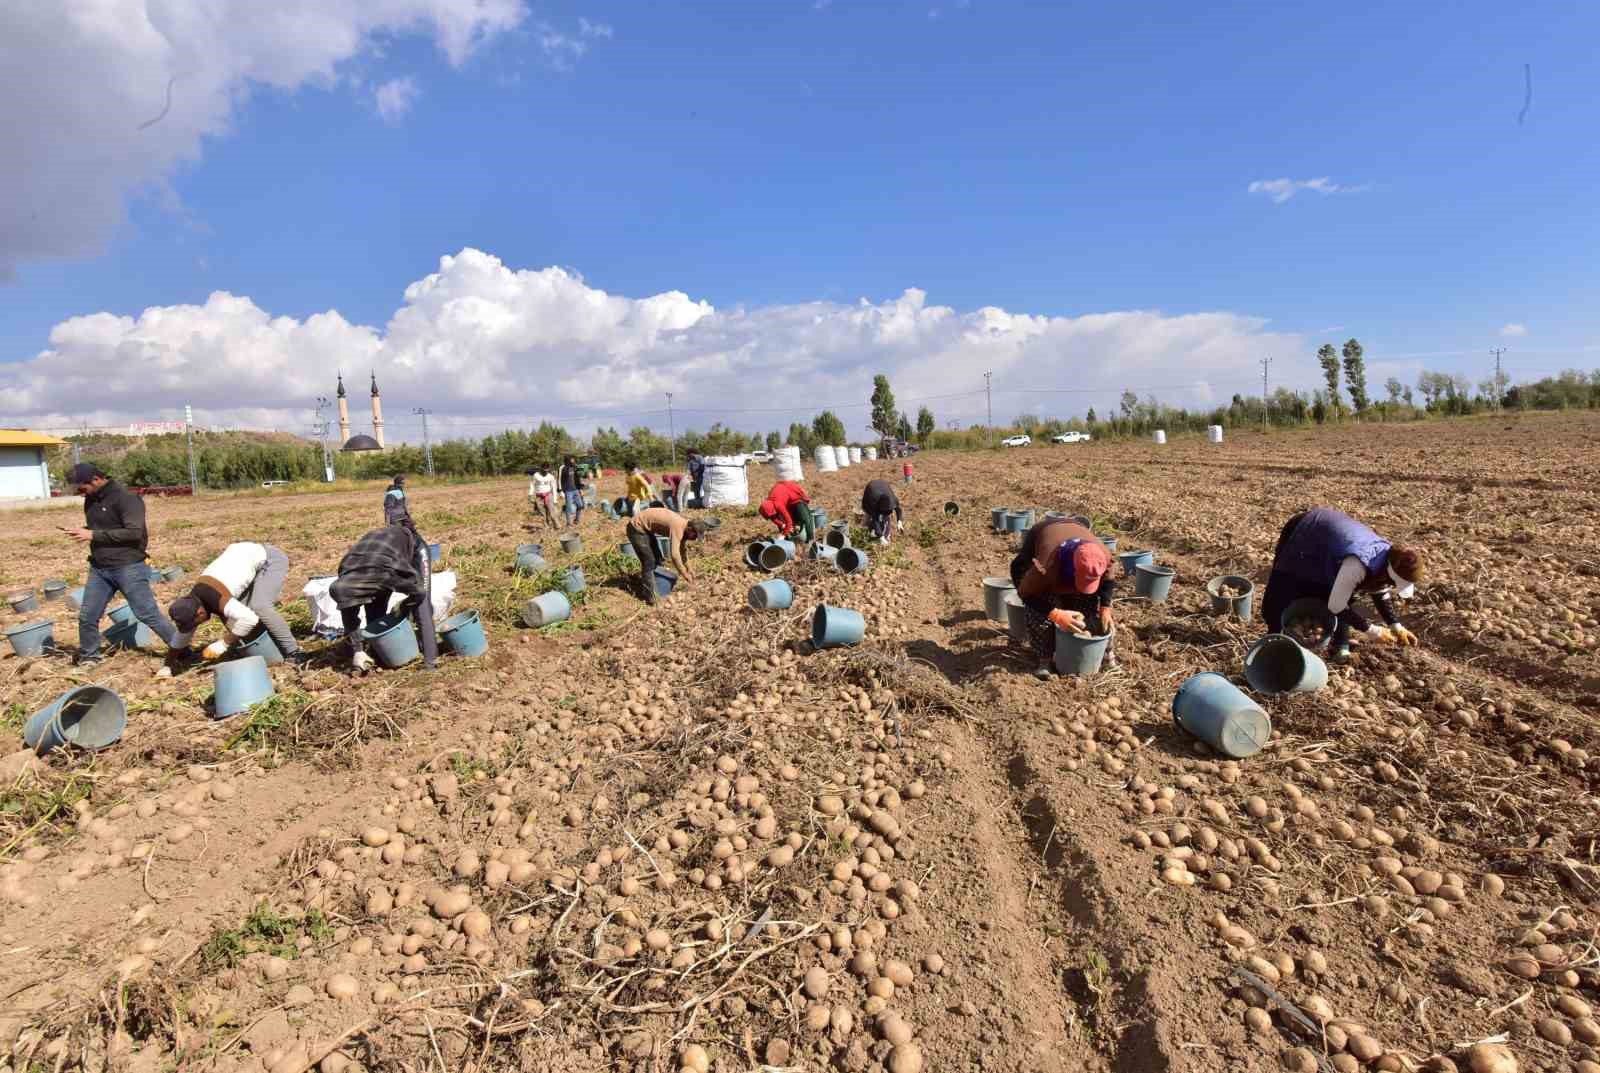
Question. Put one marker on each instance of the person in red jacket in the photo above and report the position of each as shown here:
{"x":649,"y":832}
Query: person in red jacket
{"x":786,"y":507}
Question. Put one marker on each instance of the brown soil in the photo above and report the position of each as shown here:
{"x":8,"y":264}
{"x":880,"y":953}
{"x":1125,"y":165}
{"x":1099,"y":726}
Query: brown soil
{"x":611,"y":842}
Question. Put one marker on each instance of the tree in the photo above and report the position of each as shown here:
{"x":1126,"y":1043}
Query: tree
{"x":801,"y":436}
{"x":1408,"y":396}
{"x":1130,"y":403}
{"x":1089,"y":417}
{"x":1393,"y":387}
{"x":1355,"y":374}
{"x":1329,"y":359}
{"x":828,"y":428}
{"x":884,"y":416}
{"x":903,"y":428}
{"x":925,"y":425}
{"x":774,"y":441}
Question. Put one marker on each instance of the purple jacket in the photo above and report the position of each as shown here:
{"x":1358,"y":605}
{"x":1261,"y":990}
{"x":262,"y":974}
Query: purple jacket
{"x":1323,"y":540}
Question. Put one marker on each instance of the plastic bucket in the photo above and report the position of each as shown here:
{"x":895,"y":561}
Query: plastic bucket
{"x":752,"y":552}
{"x":75,"y":597}
{"x":837,"y":538}
{"x":530,"y":563}
{"x":622,"y":507}
{"x":31,"y":638}
{"x":574,"y":582}
{"x":664,"y":547}
{"x":776,"y":553}
{"x":435,"y":552}
{"x":1277,"y":664}
{"x":572,"y":543}
{"x":1309,"y":609}
{"x":1131,"y":560}
{"x":546,"y":610}
{"x":131,"y":635}
{"x":819,"y":518}
{"x":1110,"y":543}
{"x":1153,"y":582}
{"x":54,"y":590}
{"x":1237,"y":606}
{"x":997,"y":518}
{"x":23,"y":601}
{"x":1016,"y":522}
{"x":850,"y":560}
{"x":395,"y":643}
{"x":1216,"y":711}
{"x":665,"y":581}
{"x":627,"y":550}
{"x":1080,"y":655}
{"x":1016,"y":618}
{"x":243,"y":682}
{"x":463,"y":634}
{"x":121,"y":615}
{"x":90,"y":717}
{"x":825,"y":553}
{"x":607,"y":509}
{"x":952,"y":508}
{"x":774,"y":595}
{"x":994,"y":595}
{"x":835,"y":626}
{"x":173,"y":573}
{"x":264,"y":646}
{"x":537,"y":549}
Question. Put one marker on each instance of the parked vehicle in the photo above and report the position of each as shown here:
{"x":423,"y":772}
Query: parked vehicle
{"x":761,"y":456}
{"x":1070,"y":437}
{"x":1016,"y":441}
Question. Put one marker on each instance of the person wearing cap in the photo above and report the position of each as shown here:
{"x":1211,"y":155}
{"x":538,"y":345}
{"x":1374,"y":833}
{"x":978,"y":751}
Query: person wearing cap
{"x":395,"y":509}
{"x":878,"y":502}
{"x":1063,"y":579}
{"x":118,"y":539}
{"x":570,"y":477}
{"x":788,"y":507}
{"x":542,"y":495}
{"x":696,"y":466}
{"x":652,"y":522}
{"x":1325,"y":554}
{"x":241,"y":587}
{"x":386,"y":561}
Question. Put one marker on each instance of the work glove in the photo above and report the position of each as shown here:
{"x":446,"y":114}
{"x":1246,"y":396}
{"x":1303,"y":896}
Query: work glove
{"x":1403,"y":636}
{"x":215,"y":650}
{"x":1071,"y":621}
{"x":899,"y":527}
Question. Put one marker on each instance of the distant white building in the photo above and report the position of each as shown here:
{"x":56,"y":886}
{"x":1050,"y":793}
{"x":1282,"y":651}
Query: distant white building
{"x":24,"y":472}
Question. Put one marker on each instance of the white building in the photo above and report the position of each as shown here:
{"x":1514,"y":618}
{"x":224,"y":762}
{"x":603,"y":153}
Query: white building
{"x":24,"y":473}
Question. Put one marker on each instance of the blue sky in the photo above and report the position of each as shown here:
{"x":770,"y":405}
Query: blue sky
{"x":1047,"y":160}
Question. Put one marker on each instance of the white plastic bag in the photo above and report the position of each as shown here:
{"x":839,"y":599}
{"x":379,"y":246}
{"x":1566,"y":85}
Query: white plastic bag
{"x":725,"y":482}
{"x":787,"y":463}
{"x":325,"y":620}
{"x":825,"y":460}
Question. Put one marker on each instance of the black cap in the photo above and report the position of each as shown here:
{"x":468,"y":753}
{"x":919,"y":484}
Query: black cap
{"x":183,"y":611}
{"x":83,"y":473}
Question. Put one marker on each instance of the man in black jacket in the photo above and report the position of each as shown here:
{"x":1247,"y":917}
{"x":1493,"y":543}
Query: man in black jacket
{"x":878,"y":502}
{"x":386,"y":561}
{"x":117,"y":538}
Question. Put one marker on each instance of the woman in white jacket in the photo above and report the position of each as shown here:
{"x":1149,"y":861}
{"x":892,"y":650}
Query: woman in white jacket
{"x":241,"y":587}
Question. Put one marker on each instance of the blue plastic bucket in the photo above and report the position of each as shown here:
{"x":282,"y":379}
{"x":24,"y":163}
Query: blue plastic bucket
{"x":753,"y":550}
{"x":1013,"y":522}
{"x":54,"y":590}
{"x":394,"y":643}
{"x":607,"y":509}
{"x":622,"y":507}
{"x":774,"y":595}
{"x":1308,"y":611}
{"x":836,"y":538}
{"x":835,"y":626}
{"x":663,"y":547}
{"x":537,"y":549}
{"x":435,"y":552}
{"x":1237,"y":606}
{"x":31,"y":638}
{"x":262,"y":645}
{"x":530,"y":562}
{"x":819,"y":518}
{"x":131,"y":635}
{"x":243,"y":682}
{"x":824,"y":553}
{"x":627,"y":550}
{"x":1132,"y":560}
{"x":1016,"y":618}
{"x":23,"y":601}
{"x":173,"y":573}
{"x":1153,"y":582}
{"x":665,"y":580}
{"x":997,"y":518}
{"x":1278,"y":664}
{"x":546,"y":610}
{"x":952,"y":508}
{"x":574,"y":582}
{"x":90,"y":717}
{"x":572,"y":543}
{"x":1216,"y":711}
{"x":463,"y":634}
{"x":75,"y":597}
{"x":994,"y":596}
{"x":851,"y":560}
{"x":121,"y":614}
{"x":1080,"y":655}
{"x":776,"y":553}
{"x":1110,"y":543}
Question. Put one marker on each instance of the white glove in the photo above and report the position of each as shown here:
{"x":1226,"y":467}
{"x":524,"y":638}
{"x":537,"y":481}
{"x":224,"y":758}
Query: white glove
{"x":215,"y":650}
{"x":899,"y":527}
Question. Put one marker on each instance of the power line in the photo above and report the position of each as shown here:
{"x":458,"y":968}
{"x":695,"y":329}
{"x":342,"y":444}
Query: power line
{"x":427,"y":447}
{"x":1264,"y":363}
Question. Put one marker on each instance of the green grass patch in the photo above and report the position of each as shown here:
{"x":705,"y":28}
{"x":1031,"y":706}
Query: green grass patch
{"x":31,"y":806}
{"x":13,"y":716}
{"x":268,"y":722}
{"x":265,"y":931}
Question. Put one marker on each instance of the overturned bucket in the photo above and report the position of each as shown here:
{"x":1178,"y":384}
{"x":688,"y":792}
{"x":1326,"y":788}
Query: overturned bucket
{"x":994,"y":595}
{"x":1216,"y":711}
{"x":1016,"y":618}
{"x":832,"y":627}
{"x":241,"y":683}
{"x":90,"y":717}
{"x":1080,"y":655}
{"x":31,"y":638}
{"x":132,"y":635}
{"x":774,"y":595}
{"x":574,"y":582}
{"x":395,"y":643}
{"x":850,"y":560}
{"x":546,"y":610}
{"x":262,"y":645}
{"x":463,"y":634}
{"x":1278,"y":664}
{"x":776,"y":553}
{"x":1236,"y":602}
{"x":952,"y":508}
{"x":1153,"y":582}
{"x":572,"y":543}
{"x":529,"y":562}
{"x":752,"y":552}
{"x":665,"y":581}
{"x":836,"y":538}
{"x":823,"y":552}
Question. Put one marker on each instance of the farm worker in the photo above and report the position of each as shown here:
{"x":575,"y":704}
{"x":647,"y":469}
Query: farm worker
{"x":697,"y":475}
{"x":386,"y":561}
{"x":1062,"y":575}
{"x":395,"y":509}
{"x":878,"y":501}
{"x":542,"y":494}
{"x":114,"y":529}
{"x":591,"y":484}
{"x":650,"y":523}
{"x":1327,"y":555}
{"x":639,"y":491}
{"x":571,"y":481}
{"x":788,"y":507}
{"x":241,"y":587}
{"x":671,"y":483}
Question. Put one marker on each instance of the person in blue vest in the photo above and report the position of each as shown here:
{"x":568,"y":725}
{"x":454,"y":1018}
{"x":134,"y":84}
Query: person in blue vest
{"x":396,"y":511}
{"x":1327,"y":555}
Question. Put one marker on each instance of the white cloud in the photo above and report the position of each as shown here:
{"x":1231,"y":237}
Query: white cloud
{"x":1514,"y":331}
{"x":394,"y":98}
{"x":481,"y":343}
{"x":563,"y":49}
{"x":83,"y":80}
{"x":1281,"y":190}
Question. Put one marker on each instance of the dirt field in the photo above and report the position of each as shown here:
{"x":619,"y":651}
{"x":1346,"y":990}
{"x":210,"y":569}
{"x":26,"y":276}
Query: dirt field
{"x":677,"y":838}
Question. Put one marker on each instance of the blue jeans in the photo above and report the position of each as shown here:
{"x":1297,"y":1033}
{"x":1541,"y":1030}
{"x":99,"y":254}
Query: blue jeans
{"x":133,"y":581}
{"x":573,"y":506}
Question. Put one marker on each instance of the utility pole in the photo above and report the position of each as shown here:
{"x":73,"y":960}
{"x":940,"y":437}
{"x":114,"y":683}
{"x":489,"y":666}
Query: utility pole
{"x":672,"y":433}
{"x":988,"y":391}
{"x":427,"y":447}
{"x":1264,"y":363}
{"x":188,"y":434}
{"x":321,"y":429}
{"x":1497,"y":351}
